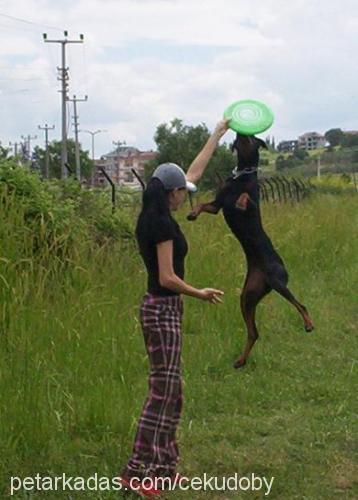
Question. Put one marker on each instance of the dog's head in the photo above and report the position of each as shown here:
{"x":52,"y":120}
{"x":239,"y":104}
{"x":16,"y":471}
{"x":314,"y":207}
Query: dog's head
{"x":247,"y":149}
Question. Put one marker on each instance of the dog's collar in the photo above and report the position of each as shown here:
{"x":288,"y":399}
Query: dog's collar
{"x":238,"y":173}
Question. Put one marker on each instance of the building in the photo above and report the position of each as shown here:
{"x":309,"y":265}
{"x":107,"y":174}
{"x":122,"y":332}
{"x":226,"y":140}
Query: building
{"x":287,"y":146}
{"x":350,"y":132}
{"x":311,"y":140}
{"x":118,"y":165}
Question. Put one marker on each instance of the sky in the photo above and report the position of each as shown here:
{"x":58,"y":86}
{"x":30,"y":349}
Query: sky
{"x":146,"y":62}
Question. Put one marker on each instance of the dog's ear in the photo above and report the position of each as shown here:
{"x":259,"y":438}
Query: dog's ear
{"x":261,"y":143}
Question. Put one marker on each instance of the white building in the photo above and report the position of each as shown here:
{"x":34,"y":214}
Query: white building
{"x":311,"y":140}
{"x":118,"y":165}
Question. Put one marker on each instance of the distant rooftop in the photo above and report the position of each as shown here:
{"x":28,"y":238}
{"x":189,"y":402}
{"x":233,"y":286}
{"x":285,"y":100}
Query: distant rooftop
{"x":311,"y":134}
{"x":125,"y":151}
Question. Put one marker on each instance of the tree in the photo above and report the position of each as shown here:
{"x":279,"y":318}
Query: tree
{"x":4,"y":153}
{"x":179,"y":143}
{"x":55,"y":159}
{"x":355,"y":156}
{"x":283,"y":163}
{"x":334,"y":136}
{"x":350,"y":140}
{"x":300,"y":154}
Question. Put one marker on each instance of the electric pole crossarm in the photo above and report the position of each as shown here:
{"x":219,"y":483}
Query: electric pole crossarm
{"x":63,"y":41}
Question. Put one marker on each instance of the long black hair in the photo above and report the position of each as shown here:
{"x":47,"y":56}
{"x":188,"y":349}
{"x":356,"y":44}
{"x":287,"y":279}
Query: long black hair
{"x":155,"y":198}
{"x":155,"y":203}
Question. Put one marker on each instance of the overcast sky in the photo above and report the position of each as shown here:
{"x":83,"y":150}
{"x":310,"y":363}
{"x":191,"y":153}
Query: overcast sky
{"x":145,"y":62}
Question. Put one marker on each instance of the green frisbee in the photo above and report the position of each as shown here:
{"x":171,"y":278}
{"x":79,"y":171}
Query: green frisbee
{"x":249,"y":117}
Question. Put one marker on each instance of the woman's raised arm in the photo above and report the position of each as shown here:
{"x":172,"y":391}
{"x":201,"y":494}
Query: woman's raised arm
{"x":199,"y":164}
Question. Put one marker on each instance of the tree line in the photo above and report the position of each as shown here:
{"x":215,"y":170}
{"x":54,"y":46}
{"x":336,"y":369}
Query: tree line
{"x":180,"y":143}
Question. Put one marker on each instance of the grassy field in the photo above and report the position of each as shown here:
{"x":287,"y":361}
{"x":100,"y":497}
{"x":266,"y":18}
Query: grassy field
{"x":73,"y":368}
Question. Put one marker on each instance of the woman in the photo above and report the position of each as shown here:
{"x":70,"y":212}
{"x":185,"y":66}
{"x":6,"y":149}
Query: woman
{"x":163,"y":248}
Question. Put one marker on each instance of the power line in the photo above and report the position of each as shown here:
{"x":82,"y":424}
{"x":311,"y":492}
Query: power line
{"x":22,"y":79}
{"x":18,"y":28}
{"x":29,"y":22}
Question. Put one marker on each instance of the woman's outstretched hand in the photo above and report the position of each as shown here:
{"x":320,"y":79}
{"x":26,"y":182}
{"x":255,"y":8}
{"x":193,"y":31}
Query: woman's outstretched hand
{"x":211,"y":295}
{"x":222,"y":127}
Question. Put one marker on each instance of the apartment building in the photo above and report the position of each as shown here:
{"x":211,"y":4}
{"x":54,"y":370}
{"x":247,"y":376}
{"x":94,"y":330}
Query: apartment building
{"x":311,"y":140}
{"x":118,"y":165}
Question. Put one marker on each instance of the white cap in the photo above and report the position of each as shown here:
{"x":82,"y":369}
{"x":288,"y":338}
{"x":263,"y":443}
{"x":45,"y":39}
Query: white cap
{"x":172,"y":176}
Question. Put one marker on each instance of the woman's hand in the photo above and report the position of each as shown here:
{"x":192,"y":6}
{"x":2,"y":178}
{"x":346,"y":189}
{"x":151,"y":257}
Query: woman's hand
{"x":221,"y":127}
{"x":211,"y":295}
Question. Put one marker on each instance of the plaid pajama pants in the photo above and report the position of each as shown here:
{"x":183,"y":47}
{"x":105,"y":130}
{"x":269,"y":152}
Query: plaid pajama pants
{"x":155,"y":451}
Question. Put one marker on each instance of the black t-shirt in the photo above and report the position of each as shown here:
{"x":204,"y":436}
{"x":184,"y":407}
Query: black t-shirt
{"x":153,"y":229}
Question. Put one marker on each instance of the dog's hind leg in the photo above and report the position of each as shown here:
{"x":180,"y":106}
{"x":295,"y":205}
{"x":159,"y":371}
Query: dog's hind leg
{"x":282,"y":289}
{"x":254,"y":290}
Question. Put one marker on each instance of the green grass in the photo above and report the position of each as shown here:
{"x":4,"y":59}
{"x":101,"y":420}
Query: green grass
{"x":73,"y":368}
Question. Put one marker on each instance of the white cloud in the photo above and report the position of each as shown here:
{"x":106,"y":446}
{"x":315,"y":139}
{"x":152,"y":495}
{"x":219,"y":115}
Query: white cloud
{"x":299,"y":58}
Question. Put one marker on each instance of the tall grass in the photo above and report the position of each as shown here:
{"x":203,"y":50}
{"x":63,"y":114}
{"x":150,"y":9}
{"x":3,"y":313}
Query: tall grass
{"x":73,"y":368}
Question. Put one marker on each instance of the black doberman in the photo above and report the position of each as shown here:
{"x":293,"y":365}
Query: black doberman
{"x":239,"y":200}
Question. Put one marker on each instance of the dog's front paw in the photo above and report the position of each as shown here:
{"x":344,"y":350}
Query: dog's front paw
{"x":192,"y":216}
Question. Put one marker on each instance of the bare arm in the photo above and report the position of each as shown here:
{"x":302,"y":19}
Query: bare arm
{"x":199,"y":164}
{"x":168,"y":278}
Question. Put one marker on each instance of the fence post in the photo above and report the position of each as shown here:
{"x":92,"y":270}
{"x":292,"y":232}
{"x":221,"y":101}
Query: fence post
{"x":112,"y":186}
{"x":274,"y":180}
{"x":139,"y":179}
{"x":272,"y":190}
{"x":281,"y":182}
{"x":297,"y":186}
{"x":262,"y":190}
{"x":288,"y":184}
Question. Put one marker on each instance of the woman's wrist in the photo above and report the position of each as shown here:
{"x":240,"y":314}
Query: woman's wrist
{"x":197,"y":293}
{"x":193,"y":292}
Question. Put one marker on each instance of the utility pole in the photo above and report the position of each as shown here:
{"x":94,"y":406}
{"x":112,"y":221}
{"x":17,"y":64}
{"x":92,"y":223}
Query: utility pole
{"x":355,"y":181}
{"x":63,"y":70}
{"x":46,"y":128}
{"x":28,"y":140}
{"x":75,"y":100}
{"x":319,"y":167}
{"x":93,"y":157}
{"x":13,"y":146}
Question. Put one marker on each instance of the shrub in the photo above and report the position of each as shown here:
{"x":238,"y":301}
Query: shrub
{"x":54,"y":214}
